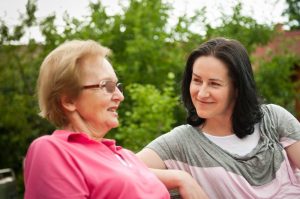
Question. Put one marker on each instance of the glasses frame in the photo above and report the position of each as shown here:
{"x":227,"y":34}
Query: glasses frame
{"x":104,"y":84}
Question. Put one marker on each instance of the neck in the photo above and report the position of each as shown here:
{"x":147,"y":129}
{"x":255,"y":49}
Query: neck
{"x":217,"y":127}
{"x":93,"y":135}
{"x":77,"y":124}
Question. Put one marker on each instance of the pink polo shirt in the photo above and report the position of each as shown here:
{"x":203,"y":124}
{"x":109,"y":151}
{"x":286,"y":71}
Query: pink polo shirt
{"x":71,"y":165}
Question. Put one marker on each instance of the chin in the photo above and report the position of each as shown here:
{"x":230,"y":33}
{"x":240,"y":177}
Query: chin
{"x":114,"y":124}
{"x":203,"y":115}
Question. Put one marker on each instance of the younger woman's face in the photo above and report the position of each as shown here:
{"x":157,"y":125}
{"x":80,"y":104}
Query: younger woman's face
{"x":211,"y":88}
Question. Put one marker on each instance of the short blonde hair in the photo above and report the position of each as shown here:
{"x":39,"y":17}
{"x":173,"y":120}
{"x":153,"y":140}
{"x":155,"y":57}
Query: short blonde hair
{"x":60,"y":75}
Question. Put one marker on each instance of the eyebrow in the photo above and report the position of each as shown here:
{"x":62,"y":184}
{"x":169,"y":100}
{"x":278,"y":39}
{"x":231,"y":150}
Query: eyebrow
{"x":110,"y":79}
{"x":212,"y":79}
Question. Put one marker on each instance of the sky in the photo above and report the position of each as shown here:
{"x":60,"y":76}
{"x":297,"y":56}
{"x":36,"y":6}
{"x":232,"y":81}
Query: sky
{"x":264,"y":11}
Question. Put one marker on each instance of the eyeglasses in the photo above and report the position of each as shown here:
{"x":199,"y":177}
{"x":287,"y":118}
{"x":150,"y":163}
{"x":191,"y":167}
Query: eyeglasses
{"x":110,"y":86}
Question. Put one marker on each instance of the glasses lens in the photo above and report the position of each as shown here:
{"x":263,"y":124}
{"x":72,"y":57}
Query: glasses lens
{"x":120,"y":87}
{"x":110,"y":86}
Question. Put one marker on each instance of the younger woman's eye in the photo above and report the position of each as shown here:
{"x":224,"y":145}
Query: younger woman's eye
{"x":215,"y":84}
{"x":197,"y":80}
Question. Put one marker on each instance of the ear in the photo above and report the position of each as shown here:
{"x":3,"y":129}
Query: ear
{"x":67,"y":103}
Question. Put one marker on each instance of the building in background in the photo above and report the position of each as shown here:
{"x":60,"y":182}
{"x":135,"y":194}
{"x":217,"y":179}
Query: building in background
{"x":284,"y":42}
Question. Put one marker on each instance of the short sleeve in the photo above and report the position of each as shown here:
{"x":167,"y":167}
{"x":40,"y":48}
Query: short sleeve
{"x":285,"y":124}
{"x":49,"y":174}
{"x":171,"y":145}
{"x":161,"y":146}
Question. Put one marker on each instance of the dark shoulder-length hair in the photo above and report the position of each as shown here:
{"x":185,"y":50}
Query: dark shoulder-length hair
{"x":233,"y":54}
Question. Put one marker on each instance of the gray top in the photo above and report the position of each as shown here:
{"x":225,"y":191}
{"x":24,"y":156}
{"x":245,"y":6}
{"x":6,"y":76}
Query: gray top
{"x":186,"y":148}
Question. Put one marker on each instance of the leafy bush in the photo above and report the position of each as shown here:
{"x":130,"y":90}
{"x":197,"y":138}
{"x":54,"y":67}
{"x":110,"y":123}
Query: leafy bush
{"x":275,"y":80}
{"x":151,"y":114}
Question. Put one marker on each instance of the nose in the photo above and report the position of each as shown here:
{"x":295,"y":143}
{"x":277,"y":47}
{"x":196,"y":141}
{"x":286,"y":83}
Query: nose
{"x":203,"y":91}
{"x":118,"y":95}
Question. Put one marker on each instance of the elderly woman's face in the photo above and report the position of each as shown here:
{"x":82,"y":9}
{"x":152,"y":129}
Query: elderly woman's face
{"x":97,"y":106}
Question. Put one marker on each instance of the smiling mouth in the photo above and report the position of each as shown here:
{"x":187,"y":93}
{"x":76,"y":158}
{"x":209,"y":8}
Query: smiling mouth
{"x":113,"y":110}
{"x":203,"y":102}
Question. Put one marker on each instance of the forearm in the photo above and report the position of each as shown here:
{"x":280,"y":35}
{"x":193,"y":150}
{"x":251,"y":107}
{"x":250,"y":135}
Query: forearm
{"x":170,"y":178}
{"x":293,"y":152}
{"x":182,"y":181}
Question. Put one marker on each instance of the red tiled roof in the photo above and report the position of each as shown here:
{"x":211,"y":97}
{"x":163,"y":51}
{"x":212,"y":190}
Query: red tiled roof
{"x":282,"y":43}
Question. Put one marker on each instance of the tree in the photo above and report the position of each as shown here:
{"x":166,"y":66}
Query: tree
{"x":19,"y":122}
{"x":242,"y":28}
{"x":282,"y":89}
{"x":293,"y":13}
{"x":151,"y":115}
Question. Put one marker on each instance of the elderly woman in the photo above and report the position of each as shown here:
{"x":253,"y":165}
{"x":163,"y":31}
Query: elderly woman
{"x":78,"y":91}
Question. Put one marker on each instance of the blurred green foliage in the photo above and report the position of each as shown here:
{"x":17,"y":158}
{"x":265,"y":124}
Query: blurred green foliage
{"x":150,"y":115}
{"x":292,"y":11}
{"x":148,"y":56}
{"x":275,"y":80}
{"x":242,"y":28}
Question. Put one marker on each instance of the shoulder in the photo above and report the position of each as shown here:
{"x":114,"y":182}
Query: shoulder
{"x":44,"y":147}
{"x":41,"y":152}
{"x":280,"y":121}
{"x":41,"y":141}
{"x":178,"y":135}
{"x":272,"y":107}
{"x":182,"y":129}
{"x":276,"y":112}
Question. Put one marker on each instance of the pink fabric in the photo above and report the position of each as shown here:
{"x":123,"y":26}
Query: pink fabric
{"x":70,"y":165}
{"x":224,"y":184}
{"x":285,"y":141}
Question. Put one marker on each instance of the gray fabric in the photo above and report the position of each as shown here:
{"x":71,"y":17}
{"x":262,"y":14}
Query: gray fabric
{"x":187,"y":144}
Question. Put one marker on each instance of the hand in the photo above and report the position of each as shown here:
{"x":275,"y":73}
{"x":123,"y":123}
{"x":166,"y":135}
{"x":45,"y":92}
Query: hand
{"x":188,"y":187}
